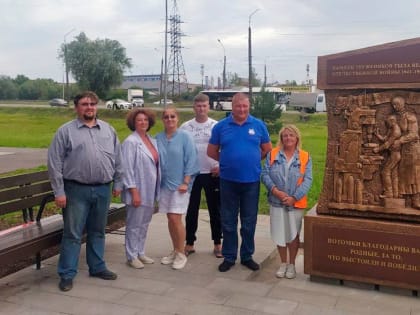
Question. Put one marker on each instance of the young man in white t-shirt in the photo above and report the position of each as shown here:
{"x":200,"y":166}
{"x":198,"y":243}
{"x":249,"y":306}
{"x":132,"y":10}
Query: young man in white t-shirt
{"x":200,"y":128}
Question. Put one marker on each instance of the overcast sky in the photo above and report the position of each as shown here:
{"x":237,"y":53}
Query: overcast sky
{"x":286,"y":34}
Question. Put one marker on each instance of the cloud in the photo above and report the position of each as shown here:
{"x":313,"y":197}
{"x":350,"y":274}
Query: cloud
{"x":286,"y":35}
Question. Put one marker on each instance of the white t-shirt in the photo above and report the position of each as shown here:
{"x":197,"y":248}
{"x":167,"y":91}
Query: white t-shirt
{"x":201,"y":134}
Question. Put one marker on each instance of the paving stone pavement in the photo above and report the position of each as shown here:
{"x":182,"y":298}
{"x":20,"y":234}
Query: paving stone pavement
{"x":197,"y":289}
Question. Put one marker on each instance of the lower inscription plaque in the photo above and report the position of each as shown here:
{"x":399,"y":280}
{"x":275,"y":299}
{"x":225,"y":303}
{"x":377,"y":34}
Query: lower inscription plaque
{"x":371,"y":251}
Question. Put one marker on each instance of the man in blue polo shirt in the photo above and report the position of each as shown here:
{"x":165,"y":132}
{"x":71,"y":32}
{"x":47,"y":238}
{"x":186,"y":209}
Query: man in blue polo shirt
{"x":239,"y":142}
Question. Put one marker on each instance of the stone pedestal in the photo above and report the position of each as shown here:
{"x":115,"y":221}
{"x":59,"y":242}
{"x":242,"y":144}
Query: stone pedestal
{"x":366,"y":227}
{"x":364,"y":250}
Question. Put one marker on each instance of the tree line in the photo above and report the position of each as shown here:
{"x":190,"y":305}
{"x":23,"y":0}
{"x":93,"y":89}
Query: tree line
{"x":22,"y":88}
{"x":96,"y":65}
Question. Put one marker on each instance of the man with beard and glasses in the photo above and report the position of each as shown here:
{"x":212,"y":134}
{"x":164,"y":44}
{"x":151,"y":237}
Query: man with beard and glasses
{"x":83,"y":162}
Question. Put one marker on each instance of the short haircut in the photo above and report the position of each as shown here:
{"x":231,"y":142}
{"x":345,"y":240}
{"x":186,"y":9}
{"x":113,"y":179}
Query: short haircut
{"x":201,"y":97}
{"x":89,"y":94}
{"x":132,"y":115}
{"x":239,"y":96}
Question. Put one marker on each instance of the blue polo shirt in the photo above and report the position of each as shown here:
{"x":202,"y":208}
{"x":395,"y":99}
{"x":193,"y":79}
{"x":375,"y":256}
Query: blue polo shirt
{"x":240,"y":148}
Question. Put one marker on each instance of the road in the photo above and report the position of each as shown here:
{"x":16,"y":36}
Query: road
{"x":21,"y":158}
{"x":100,"y":106}
{"x":23,"y":105}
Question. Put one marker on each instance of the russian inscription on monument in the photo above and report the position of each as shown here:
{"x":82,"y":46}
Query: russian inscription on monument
{"x":366,"y":226}
{"x":364,"y":250}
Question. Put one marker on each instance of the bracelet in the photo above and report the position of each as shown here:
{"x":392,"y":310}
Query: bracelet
{"x":186,"y":183}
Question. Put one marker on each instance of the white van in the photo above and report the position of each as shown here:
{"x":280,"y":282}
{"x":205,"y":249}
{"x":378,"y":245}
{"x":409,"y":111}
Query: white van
{"x":320,"y":105}
{"x":222,"y":105}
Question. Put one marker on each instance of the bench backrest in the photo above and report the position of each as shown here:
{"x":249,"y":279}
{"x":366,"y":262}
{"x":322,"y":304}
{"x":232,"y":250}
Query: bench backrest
{"x":24,"y":191}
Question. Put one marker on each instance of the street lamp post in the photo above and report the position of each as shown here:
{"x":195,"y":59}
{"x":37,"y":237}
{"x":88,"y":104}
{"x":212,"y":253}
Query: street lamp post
{"x":165,"y":79}
{"x":66,"y":70}
{"x":161,"y":78}
{"x":64,"y":75}
{"x":250,"y":57}
{"x":224,"y":63}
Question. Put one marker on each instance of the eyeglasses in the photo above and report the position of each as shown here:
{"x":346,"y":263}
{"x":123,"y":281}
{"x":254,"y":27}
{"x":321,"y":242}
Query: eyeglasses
{"x":88,"y":104}
{"x":169,"y":116}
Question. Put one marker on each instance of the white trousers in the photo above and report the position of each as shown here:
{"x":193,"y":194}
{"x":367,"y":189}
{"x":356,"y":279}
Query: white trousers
{"x":137,"y":223}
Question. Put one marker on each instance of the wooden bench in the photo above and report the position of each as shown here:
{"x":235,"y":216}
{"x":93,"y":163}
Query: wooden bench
{"x":30,"y":193}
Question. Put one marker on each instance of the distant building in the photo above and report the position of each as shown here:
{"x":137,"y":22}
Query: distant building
{"x":149,"y":82}
{"x":152,"y":83}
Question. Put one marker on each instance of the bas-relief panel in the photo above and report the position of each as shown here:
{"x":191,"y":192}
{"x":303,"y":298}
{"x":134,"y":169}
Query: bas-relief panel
{"x":373,"y":158}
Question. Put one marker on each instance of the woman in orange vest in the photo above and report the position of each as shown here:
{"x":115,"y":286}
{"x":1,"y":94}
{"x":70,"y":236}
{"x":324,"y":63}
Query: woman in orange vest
{"x":287,"y":174}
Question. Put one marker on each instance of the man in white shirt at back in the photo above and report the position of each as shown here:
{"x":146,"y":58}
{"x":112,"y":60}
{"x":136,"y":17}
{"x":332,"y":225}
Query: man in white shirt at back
{"x":200,"y":128}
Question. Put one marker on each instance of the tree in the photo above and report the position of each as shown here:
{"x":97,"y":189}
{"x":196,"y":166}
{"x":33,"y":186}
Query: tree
{"x":254,"y":80}
{"x":235,"y":80}
{"x":96,"y":65}
{"x":24,"y":88}
{"x":39,"y":89}
{"x":189,"y":95}
{"x":290,"y":82}
{"x":20,"y":79}
{"x":264,"y":107}
{"x":8,"y":88}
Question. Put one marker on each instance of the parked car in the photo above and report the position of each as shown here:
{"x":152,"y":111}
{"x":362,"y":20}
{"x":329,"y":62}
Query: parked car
{"x":118,"y":104}
{"x":138,"y":102}
{"x":58,"y":102}
{"x":223,"y":105}
{"x":281,"y":106}
{"x":168,"y":101}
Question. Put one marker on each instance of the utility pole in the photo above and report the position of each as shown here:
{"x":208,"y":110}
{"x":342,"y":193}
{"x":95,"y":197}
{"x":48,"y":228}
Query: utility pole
{"x":307,"y":75}
{"x":265,"y":74}
{"x":202,"y":75}
{"x":165,"y":79}
{"x":161,"y":77}
{"x":250,"y":58}
{"x":66,"y":69}
{"x":224,"y":64}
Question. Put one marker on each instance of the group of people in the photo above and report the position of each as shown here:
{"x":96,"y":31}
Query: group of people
{"x":167,"y":174}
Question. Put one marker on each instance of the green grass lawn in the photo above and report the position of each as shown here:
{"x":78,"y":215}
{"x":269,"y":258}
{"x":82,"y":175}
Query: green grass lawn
{"x":35,"y":127}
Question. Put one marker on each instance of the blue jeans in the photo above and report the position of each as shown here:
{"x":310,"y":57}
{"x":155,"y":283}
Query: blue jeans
{"x":87,"y":208}
{"x":238,"y":198}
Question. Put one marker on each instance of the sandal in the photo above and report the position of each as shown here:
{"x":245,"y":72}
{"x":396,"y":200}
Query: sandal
{"x":189,"y":252}
{"x":217,"y":253}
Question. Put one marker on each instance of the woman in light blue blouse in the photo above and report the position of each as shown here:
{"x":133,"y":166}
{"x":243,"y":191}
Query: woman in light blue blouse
{"x":179,"y":165}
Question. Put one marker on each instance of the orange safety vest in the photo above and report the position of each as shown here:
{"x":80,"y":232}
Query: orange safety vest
{"x":303,"y":157}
